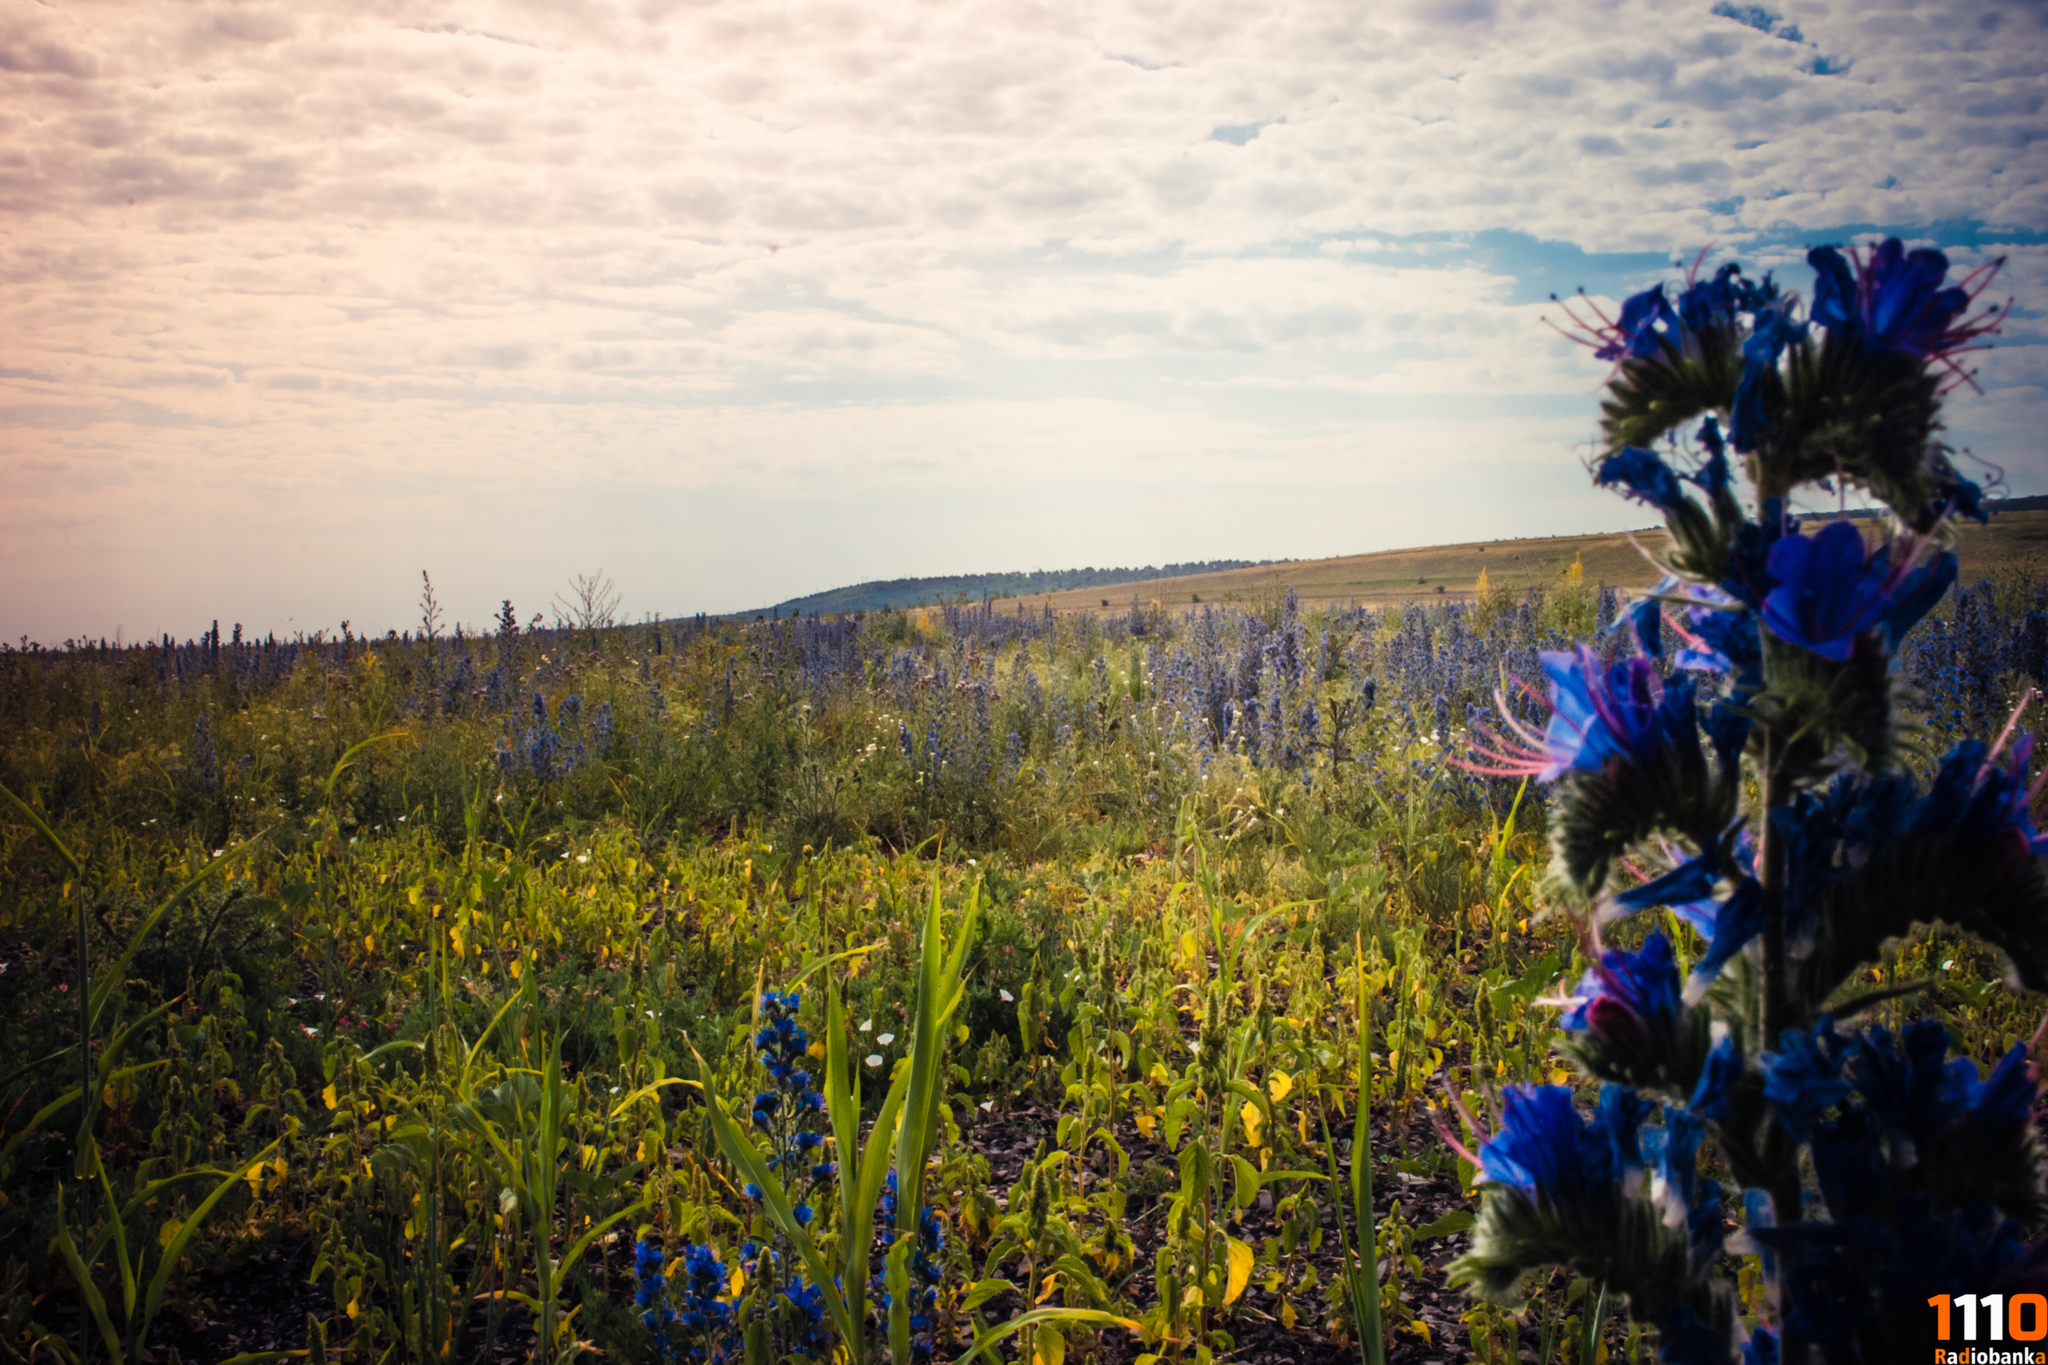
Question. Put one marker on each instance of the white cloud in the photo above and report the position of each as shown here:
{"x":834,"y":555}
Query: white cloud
{"x":277,"y":250}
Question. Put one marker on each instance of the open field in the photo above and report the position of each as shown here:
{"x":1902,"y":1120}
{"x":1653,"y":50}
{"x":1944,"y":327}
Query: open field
{"x":423,"y":980}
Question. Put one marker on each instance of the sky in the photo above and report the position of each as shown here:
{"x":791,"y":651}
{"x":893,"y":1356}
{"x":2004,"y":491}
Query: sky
{"x":743,"y":299}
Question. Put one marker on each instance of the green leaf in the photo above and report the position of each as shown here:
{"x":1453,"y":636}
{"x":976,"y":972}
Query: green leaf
{"x":1459,"y":1220}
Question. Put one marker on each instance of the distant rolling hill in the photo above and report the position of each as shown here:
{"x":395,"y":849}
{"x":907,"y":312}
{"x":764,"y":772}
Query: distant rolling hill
{"x":2018,"y":527}
{"x":922,"y":592}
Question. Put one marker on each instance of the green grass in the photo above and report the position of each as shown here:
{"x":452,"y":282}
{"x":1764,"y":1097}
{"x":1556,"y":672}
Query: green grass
{"x":451,"y":1027}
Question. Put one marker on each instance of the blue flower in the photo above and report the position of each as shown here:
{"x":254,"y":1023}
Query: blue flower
{"x":1713,"y":476}
{"x":1621,"y":713}
{"x":1771,"y":331}
{"x":1827,"y":594}
{"x":1710,"y":1096}
{"x":1737,"y":920}
{"x":1915,"y":594}
{"x":1545,"y":1150}
{"x":1963,"y":497}
{"x":1894,"y":300}
{"x":1598,"y":714}
{"x":1986,"y":801}
{"x":1696,"y":1199}
{"x":1645,"y":474}
{"x":1803,"y":1079}
{"x":1647,"y":325}
{"x":1624,"y":995}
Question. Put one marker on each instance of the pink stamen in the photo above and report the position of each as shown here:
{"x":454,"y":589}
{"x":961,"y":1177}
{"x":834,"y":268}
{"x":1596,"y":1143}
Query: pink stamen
{"x":1638,"y":546}
{"x":1443,"y":1130}
{"x":1692,"y":640}
{"x":1997,"y":745}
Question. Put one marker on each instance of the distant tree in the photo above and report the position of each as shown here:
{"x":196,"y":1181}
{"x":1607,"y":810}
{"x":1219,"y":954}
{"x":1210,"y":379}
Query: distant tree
{"x":591,"y":603}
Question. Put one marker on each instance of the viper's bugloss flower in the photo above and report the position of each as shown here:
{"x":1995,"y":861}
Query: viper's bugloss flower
{"x":1761,"y":1348}
{"x":1771,"y":331}
{"x":1914,"y":593}
{"x":1894,"y":300}
{"x":1623,"y":995}
{"x":1710,"y":1096}
{"x":1736,"y":920}
{"x":1647,"y":324}
{"x":1644,"y":474}
{"x":1546,"y":1150}
{"x":1829,"y":591}
{"x":1985,"y":801}
{"x":1715,"y":302}
{"x":1803,"y":1079}
{"x":1620,"y":712}
{"x":1915,"y":1091}
{"x":1689,"y":1200}
{"x":1962,"y":497}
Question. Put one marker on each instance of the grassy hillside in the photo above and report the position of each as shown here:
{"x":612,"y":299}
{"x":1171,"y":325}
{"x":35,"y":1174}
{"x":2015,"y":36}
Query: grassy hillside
{"x":922,"y":592}
{"x":1451,"y":571}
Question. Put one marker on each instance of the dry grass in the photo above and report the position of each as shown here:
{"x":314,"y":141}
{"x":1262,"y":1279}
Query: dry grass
{"x":1450,"y":572}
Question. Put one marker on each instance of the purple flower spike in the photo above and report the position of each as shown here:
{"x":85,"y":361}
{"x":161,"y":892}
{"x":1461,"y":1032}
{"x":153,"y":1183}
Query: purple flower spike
{"x":1828,"y":592}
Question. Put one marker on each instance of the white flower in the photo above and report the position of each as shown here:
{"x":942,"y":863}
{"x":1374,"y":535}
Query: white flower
{"x":988,"y":1104}
{"x":583,"y":857}
{"x":867,"y":1026}
{"x":874,"y":1059}
{"x":885,"y":1038}
{"x":1006,"y":995}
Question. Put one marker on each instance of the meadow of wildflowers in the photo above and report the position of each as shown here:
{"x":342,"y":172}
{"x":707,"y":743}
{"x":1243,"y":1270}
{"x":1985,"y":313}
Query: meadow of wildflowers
{"x":981,"y":981}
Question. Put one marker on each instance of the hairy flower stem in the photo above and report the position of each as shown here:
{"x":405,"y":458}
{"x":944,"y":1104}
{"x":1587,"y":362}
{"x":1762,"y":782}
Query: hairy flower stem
{"x":1777,"y":795}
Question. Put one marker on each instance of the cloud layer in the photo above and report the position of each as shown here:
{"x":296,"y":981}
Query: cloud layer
{"x":385,"y":279}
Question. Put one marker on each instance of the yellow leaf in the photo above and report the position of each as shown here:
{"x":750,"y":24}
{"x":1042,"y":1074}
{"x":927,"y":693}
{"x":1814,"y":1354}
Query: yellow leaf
{"x":816,"y":1051}
{"x":369,"y":943}
{"x":1052,"y":1283}
{"x":739,"y":1282}
{"x":516,"y":968}
{"x":1420,"y":1328}
{"x":1048,"y":1347}
{"x":352,"y":1308}
{"x":1190,"y":947}
{"x":1287,"y":1315}
{"x":1146,"y":1124}
{"x":167,"y":1232}
{"x":1279,"y":1086}
{"x":1559,"y":1076}
{"x":329,"y":1097}
{"x":1241,"y":1257}
{"x":1301,"y":1126}
{"x":1252,"y":1120}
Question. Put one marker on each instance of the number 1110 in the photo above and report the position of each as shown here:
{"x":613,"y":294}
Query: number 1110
{"x":2029,"y":1315}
